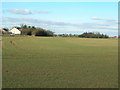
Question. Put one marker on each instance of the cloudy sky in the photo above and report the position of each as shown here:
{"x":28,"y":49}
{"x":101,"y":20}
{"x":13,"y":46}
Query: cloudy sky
{"x":63,"y":17}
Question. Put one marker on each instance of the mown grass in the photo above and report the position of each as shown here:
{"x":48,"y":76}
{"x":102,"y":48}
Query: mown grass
{"x":54,"y":62}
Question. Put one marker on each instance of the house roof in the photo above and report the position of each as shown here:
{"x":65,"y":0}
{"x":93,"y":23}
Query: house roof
{"x":14,"y":28}
{"x":1,"y":30}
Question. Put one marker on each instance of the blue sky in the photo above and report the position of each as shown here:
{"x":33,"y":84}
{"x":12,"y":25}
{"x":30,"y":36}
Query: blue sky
{"x":60,"y":1}
{"x":63,"y":17}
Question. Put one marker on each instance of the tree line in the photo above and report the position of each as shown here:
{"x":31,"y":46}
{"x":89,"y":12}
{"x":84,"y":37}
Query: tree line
{"x":32,"y":30}
{"x":93,"y":35}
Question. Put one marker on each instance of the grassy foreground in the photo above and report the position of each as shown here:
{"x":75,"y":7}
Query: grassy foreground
{"x":52,"y":62}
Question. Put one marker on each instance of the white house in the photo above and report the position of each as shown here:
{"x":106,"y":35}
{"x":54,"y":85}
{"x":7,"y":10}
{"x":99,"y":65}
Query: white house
{"x":15,"y":31}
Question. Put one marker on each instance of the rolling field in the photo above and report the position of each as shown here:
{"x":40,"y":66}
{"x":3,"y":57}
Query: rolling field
{"x":54,"y":62}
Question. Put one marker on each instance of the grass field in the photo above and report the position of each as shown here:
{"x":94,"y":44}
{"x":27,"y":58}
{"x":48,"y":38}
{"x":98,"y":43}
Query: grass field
{"x":54,"y":62}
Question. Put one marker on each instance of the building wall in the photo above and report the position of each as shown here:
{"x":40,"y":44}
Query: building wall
{"x":15,"y":31}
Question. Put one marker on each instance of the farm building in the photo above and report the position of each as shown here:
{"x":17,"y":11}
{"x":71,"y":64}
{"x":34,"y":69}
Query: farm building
{"x":15,"y":31}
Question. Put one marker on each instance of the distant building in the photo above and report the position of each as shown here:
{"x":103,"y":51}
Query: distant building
{"x":15,"y":31}
{"x":2,"y":31}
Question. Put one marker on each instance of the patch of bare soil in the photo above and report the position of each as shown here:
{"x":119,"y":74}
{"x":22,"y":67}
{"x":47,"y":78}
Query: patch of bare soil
{"x":14,"y":44}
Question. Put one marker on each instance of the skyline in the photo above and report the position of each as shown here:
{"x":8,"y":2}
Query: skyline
{"x":63,"y":17}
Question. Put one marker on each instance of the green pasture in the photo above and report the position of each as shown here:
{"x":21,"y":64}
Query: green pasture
{"x":58,"y":62}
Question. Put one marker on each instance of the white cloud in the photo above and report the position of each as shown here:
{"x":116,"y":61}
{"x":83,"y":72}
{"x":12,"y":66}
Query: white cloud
{"x":26,"y":11}
{"x":106,"y":27}
{"x":34,"y":21}
{"x":20,"y":11}
{"x":105,"y":19}
{"x":54,"y":24}
{"x":44,"y":12}
{"x":96,"y":18}
{"x":1,"y":26}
